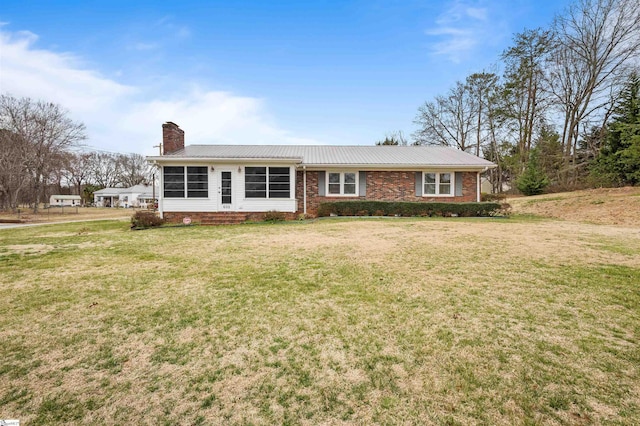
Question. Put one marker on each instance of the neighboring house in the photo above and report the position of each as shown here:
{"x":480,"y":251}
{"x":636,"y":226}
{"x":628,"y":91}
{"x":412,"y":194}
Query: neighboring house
{"x":487,"y":188}
{"x":135,"y":196}
{"x":107,"y":197}
{"x":64,"y":200}
{"x":206,"y":182}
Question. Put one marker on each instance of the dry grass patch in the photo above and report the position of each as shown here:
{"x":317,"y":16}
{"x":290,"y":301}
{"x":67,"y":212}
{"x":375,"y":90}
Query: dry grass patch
{"x":608,"y":206}
{"x":413,"y":321}
{"x":68,"y":214}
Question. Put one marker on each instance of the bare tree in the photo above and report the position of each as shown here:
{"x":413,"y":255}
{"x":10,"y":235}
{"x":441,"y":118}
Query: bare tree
{"x":77,"y":170}
{"x":105,"y":169}
{"x":524,"y":91}
{"x":596,"y":41}
{"x":47,"y":131}
{"x":481,"y":87}
{"x":134,"y":170}
{"x":448,"y":120}
{"x":14,"y":176}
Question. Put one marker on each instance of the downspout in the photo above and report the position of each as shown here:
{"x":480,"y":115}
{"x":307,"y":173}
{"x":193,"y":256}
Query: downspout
{"x":304,"y":190}
{"x":161,"y":193}
{"x":478,"y":187}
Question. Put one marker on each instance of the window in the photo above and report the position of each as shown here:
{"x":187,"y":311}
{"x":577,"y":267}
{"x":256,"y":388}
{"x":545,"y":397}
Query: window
{"x":267,"y":182}
{"x":173,"y":182}
{"x":438,"y":184}
{"x":255,"y":182}
{"x":197,"y":182}
{"x":279,"y":183}
{"x":342,"y":183}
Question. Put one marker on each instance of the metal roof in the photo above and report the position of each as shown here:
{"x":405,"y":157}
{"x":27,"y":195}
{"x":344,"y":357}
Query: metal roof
{"x":333,"y":155}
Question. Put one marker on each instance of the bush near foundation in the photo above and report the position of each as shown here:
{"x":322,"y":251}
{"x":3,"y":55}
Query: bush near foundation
{"x":144,"y":220}
{"x":408,"y":209}
{"x":274,"y":216}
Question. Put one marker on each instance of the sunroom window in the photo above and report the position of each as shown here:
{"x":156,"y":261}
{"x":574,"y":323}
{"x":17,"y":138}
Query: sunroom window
{"x":267,"y":182}
{"x":196,"y":184}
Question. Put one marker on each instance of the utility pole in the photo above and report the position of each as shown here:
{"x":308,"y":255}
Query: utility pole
{"x":154,"y":192}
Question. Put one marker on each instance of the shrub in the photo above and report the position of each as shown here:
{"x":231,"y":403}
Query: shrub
{"x":145,"y":219}
{"x":493,"y":197}
{"x":274,"y":216}
{"x":534,"y":180}
{"x":408,"y":209}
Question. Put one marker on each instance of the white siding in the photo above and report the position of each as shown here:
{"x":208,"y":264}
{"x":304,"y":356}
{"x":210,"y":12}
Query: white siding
{"x":239,"y":202}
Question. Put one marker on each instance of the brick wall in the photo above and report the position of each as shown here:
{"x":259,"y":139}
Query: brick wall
{"x":383,"y":186}
{"x":219,"y":218}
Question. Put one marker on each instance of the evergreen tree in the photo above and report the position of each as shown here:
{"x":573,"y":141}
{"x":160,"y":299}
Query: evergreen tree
{"x":534,"y":180}
{"x":619,"y":160}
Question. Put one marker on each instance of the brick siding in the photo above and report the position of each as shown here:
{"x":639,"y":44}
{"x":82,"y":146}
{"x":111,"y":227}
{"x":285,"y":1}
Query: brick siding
{"x":219,"y":218}
{"x":383,"y":186}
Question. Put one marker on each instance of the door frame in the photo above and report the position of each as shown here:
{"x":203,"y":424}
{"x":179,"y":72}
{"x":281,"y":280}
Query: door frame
{"x":225,"y":207}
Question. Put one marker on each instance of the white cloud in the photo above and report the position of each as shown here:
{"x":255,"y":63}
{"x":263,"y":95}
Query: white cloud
{"x":177,"y":31}
{"x":479,"y":13}
{"x":460,"y":29}
{"x":125,"y":118}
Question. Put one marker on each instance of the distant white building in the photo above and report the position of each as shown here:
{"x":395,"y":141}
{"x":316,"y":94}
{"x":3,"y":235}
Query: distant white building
{"x":135,"y":196}
{"x":65,"y":200}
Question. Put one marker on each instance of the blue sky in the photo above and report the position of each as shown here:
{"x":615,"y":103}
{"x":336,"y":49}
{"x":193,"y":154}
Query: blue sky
{"x":251,"y":72}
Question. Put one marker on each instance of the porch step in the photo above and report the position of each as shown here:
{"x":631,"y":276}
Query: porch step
{"x":223,"y":218}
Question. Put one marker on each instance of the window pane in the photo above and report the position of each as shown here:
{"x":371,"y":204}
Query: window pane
{"x":429,"y":188}
{"x":255,"y":182}
{"x":279,"y":182}
{"x":278,"y":194}
{"x":445,"y":188}
{"x":278,"y":187}
{"x":225,"y":187}
{"x":334,"y":188}
{"x":349,"y":178}
{"x":258,"y":186}
{"x":173,"y":181}
{"x":334,"y":178}
{"x":256,"y":194}
{"x":279,"y":171}
{"x":173,"y":170}
{"x":256,"y":179}
{"x":349,"y":188}
{"x":278,"y":178}
{"x":255,"y":170}
{"x":429,"y":178}
{"x":445,"y":184}
{"x":197,"y":182}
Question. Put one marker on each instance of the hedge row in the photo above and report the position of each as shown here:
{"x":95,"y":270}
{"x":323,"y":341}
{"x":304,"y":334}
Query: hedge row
{"x":407,"y":209}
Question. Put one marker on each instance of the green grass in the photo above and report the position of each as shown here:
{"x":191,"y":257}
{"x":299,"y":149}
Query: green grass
{"x":411,"y":321}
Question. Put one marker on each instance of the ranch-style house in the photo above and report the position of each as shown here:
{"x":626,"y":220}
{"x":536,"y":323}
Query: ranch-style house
{"x":211,"y":183}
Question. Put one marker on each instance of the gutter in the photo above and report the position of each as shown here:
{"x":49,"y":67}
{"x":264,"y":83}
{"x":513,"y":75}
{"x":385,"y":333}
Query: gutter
{"x":403,"y":167}
{"x":224,"y":160}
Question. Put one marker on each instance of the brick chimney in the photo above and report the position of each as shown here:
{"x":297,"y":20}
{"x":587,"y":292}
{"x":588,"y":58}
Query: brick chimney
{"x":172,"y":138}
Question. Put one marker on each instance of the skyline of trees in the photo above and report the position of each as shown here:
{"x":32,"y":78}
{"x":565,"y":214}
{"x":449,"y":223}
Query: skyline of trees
{"x":563,"y":80}
{"x":41,"y":151}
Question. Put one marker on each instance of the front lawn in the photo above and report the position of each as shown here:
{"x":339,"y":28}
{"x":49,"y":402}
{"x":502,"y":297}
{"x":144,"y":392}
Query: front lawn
{"x":389,"y":321}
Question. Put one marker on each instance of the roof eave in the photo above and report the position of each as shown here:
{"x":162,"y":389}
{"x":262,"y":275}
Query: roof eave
{"x":401,"y":167}
{"x":224,"y":160}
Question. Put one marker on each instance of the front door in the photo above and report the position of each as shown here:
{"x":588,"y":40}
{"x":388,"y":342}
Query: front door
{"x":225,"y":193}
